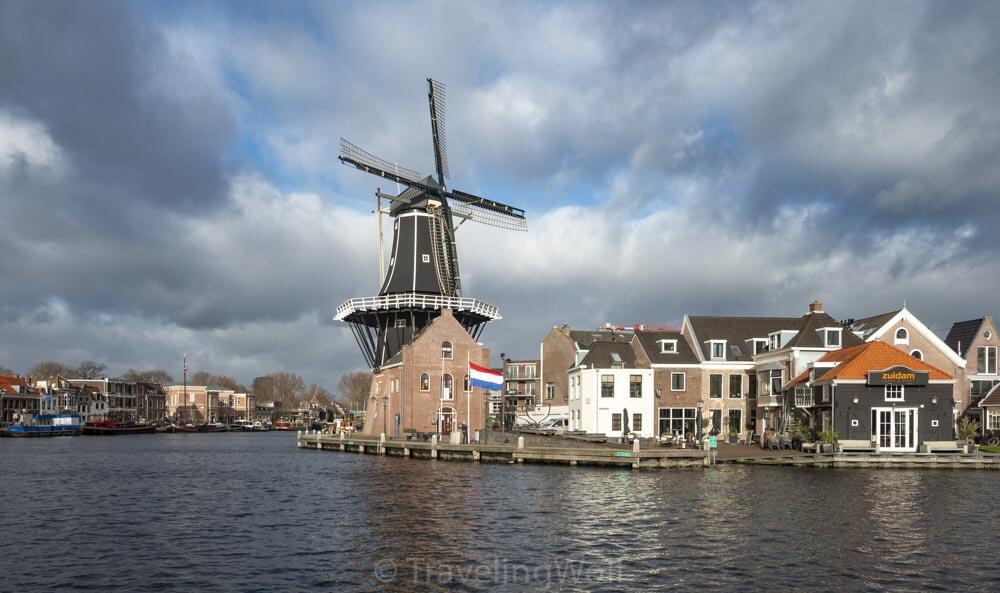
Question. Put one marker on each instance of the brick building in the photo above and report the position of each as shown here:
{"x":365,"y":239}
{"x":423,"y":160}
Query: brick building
{"x":425,"y":386}
{"x":975,"y":341}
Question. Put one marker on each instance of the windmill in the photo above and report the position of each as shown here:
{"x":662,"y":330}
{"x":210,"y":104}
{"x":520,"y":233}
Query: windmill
{"x":423,"y":274}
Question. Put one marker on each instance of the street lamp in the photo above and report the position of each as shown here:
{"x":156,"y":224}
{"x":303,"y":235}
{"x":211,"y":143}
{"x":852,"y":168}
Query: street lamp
{"x":385,"y":405}
{"x":698,"y":427}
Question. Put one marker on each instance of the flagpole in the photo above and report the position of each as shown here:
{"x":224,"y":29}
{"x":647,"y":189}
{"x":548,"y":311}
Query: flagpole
{"x":468,"y":394}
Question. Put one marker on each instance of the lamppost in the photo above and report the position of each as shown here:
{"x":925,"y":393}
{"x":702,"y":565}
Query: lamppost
{"x":698,"y":427}
{"x":385,"y":406}
{"x":503,"y":397}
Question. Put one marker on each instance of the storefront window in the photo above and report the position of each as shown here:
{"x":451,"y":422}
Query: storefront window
{"x":680,"y":421}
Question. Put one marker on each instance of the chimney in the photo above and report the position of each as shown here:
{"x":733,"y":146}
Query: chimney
{"x":816,"y":307}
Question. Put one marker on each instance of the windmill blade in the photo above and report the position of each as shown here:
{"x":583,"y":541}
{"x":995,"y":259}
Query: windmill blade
{"x":435,"y":99}
{"x":487,"y":211}
{"x":353,"y":155}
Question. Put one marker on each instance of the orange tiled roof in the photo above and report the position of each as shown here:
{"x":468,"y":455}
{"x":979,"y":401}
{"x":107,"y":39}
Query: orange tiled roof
{"x":11,"y":383}
{"x":856,"y":361}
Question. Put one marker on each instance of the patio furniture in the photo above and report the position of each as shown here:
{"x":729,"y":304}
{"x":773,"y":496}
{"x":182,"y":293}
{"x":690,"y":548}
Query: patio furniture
{"x":858,"y":445}
{"x":944,"y":447}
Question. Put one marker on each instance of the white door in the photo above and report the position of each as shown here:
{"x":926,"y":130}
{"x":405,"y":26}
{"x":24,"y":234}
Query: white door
{"x":895,"y":429}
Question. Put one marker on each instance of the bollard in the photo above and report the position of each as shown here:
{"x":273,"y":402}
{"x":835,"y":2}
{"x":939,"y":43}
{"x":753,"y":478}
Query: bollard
{"x":434,"y":444}
{"x":381,"y":444}
{"x":520,"y":442}
{"x":635,"y":447}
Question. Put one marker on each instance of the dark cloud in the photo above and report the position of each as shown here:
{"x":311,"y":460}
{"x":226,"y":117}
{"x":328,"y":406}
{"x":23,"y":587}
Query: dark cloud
{"x":172,"y":177}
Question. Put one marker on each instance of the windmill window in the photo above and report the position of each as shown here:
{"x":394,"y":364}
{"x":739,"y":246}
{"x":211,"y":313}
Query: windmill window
{"x":400,"y":323}
{"x":425,"y":258}
{"x":446,"y":350}
{"x":446,"y":384}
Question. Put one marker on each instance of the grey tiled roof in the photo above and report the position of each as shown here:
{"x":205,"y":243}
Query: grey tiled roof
{"x":602,"y":355}
{"x":650,"y":342}
{"x":808,"y":337}
{"x":962,"y":334}
{"x":869,"y":325}
{"x":586,"y":338}
{"x":736,"y":331}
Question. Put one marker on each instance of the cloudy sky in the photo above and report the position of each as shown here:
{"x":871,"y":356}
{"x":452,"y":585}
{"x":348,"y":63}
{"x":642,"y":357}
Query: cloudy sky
{"x":169,"y":181}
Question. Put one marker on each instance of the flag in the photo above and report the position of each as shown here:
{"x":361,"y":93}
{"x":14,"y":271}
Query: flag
{"x":484,"y":377}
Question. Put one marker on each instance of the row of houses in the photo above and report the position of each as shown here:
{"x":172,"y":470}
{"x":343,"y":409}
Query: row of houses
{"x":90,"y":399}
{"x":888,"y":377}
{"x":125,"y":401}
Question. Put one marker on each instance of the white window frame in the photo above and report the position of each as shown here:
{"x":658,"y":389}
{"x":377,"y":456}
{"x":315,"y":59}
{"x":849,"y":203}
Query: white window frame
{"x":721,"y":344}
{"x":991,"y":356}
{"x":683,"y":377}
{"x":668,"y":346}
{"x":916,"y":353}
{"x":898,"y":340}
{"x":836,"y":332}
{"x":894,"y":398}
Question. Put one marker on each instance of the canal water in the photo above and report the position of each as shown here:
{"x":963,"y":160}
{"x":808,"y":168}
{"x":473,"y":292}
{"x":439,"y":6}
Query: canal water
{"x":250,"y":512}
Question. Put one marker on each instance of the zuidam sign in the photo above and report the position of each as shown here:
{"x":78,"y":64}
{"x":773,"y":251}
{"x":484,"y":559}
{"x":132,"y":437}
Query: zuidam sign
{"x":898,"y":375}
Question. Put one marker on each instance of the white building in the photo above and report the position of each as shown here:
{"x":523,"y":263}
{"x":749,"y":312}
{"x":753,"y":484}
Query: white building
{"x":609,"y":395}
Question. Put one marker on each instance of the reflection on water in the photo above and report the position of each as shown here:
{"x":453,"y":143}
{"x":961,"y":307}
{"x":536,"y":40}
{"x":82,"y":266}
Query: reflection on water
{"x":245,"y":512}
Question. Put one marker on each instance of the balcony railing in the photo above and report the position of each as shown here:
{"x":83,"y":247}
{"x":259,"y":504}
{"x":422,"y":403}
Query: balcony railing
{"x":804,"y":400}
{"x":411,"y":300}
{"x":769,"y":401}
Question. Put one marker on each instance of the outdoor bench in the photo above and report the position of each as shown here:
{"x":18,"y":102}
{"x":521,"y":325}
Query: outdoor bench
{"x":858,"y":445}
{"x":943,"y":447}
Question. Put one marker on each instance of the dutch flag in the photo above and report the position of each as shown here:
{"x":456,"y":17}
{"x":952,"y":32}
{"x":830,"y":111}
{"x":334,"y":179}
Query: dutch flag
{"x":484,"y":377}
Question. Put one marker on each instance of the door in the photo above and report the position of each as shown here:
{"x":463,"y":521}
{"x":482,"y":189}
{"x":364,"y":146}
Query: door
{"x":395,"y":425}
{"x":447,"y":419}
{"x":895,"y":429}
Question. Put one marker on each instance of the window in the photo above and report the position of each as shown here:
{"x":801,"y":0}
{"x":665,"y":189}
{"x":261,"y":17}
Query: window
{"x":616,"y":421}
{"x":893,"y":393}
{"x":715,"y":385}
{"x":446,"y":350}
{"x":550,"y":391}
{"x":446,"y":384}
{"x":668,"y":346}
{"x":987,"y":360}
{"x":425,"y":382}
{"x":607,"y":385}
{"x":992,"y":419}
{"x":803,"y":396}
{"x":775,"y":341}
{"x":981,"y":389}
{"x":987,"y":334}
{"x":776,"y":382}
{"x":677,"y":421}
{"x":917,"y":354}
{"x":426,"y":258}
{"x":735,"y":418}
{"x":735,"y":386}
{"x":400,"y":323}
{"x":718,"y":350}
{"x":636,"y":422}
{"x":833,"y":338}
{"x":677,"y":381}
{"x":902,"y":336}
{"x":635,"y":386}
{"x":759,"y":346}
{"x":465,"y":384}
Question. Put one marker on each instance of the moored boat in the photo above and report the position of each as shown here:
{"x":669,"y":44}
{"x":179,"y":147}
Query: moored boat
{"x":47,"y":425}
{"x":111,"y":428}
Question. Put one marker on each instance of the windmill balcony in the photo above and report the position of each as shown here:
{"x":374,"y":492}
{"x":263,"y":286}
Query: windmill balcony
{"x":415,"y":301}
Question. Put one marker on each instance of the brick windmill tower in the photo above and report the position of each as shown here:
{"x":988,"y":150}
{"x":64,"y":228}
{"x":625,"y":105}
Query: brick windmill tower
{"x":421,"y":285}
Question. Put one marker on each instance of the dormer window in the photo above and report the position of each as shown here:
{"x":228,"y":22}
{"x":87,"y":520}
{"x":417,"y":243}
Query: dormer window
{"x":831,"y":337}
{"x":668,"y":346}
{"x":902,"y":336}
{"x":717,"y":349}
{"x":775,"y":341}
{"x":759,"y":345}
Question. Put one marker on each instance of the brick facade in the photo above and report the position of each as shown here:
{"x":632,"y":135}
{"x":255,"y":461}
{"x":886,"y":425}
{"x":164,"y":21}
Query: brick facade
{"x":410,"y":394}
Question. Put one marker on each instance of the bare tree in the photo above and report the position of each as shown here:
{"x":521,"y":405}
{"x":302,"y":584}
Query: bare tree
{"x":320,"y":393}
{"x":151,"y":376}
{"x":51,"y":368}
{"x":91,"y":369}
{"x":353,"y":388}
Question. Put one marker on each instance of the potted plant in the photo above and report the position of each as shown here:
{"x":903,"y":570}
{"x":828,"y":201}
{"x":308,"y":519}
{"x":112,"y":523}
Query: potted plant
{"x":804,"y":434}
{"x":734,"y":434}
{"x":828,"y":438}
{"x":968,"y":430}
